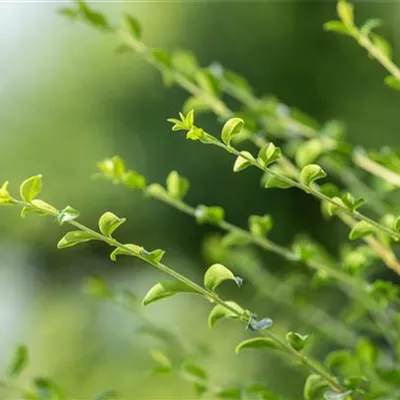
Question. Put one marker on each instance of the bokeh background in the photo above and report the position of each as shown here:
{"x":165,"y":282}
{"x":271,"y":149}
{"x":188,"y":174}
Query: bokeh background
{"x":68,"y":100}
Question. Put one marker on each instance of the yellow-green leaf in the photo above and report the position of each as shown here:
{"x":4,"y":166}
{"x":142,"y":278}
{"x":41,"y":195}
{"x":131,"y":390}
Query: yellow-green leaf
{"x":166,"y":289}
{"x":217,"y":274}
{"x":177,"y":185}
{"x":360,"y":230}
{"x":109,"y":222}
{"x":75,"y":237}
{"x":30,"y":188}
{"x":128,"y":250}
{"x":257,"y":343}
{"x":219,"y":312}
{"x":311,"y":173}
{"x":241,"y":162}
{"x":231,"y":128}
{"x":18,"y":362}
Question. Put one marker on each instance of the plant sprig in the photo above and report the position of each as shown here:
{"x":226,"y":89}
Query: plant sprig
{"x":31,"y":188}
{"x":267,"y":156}
{"x":376,"y":45}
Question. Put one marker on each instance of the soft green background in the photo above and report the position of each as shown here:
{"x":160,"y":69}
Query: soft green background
{"x":67,"y":101}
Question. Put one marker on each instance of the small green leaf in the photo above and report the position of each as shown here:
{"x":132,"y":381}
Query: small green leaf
{"x":96,"y":286}
{"x":370,"y":25}
{"x":195,"y":133}
{"x":112,"y":168}
{"x":126,"y":251}
{"x":296,"y":341}
{"x":133,"y":26}
{"x":231,"y":128}
{"x":367,"y":353}
{"x":314,"y":387}
{"x":360,"y":230}
{"x":268,"y":154}
{"x":67,"y":214}
{"x":257,"y":343}
{"x":74,"y":237}
{"x":217,"y":274}
{"x":162,"y":58}
{"x":260,"y":225}
{"x":332,"y":208}
{"x":345,"y":11}
{"x":336,"y":26}
{"x":154,"y":256}
{"x":18,"y":362}
{"x":164,"y":364}
{"x":109,"y":222}
{"x":209,"y":215}
{"x":177,"y":185}
{"x":133,"y":180}
{"x":351,"y":203}
{"x":219,"y":312}
{"x":393,"y":82}
{"x":275,"y":182}
{"x":165,"y":289}
{"x":30,"y":188}
{"x":382,"y":44}
{"x":242,"y":163}
{"x":311,"y":173}
{"x":234,"y":239}
{"x":42,"y":206}
{"x":93,"y":17}
{"x":5,"y":198}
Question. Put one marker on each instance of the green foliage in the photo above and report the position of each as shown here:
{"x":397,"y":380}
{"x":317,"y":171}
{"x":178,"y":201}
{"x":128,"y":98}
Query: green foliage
{"x":165,"y":289}
{"x":231,"y":128}
{"x":361,"y":369}
{"x":217,"y":274}
{"x":311,"y":173}
{"x":109,"y":222}
{"x":18,"y":362}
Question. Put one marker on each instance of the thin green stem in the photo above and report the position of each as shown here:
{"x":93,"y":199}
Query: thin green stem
{"x":312,"y":365}
{"x":309,"y":190}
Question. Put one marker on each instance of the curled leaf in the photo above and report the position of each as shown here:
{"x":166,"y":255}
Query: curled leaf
{"x":109,"y":222}
{"x":30,"y":188}
{"x":241,"y":162}
{"x":268,"y":154}
{"x":166,"y":289}
{"x":127,"y":250}
{"x":257,"y":343}
{"x":219,"y":312}
{"x":75,"y":237}
{"x":311,"y":173}
{"x":217,"y":274}
{"x":296,"y":341}
{"x":154,"y":256}
{"x":361,"y":229}
{"x":5,"y":198}
{"x":231,"y":128}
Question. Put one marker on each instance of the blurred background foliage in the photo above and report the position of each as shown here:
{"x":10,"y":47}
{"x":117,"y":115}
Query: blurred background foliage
{"x":68,"y":100}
